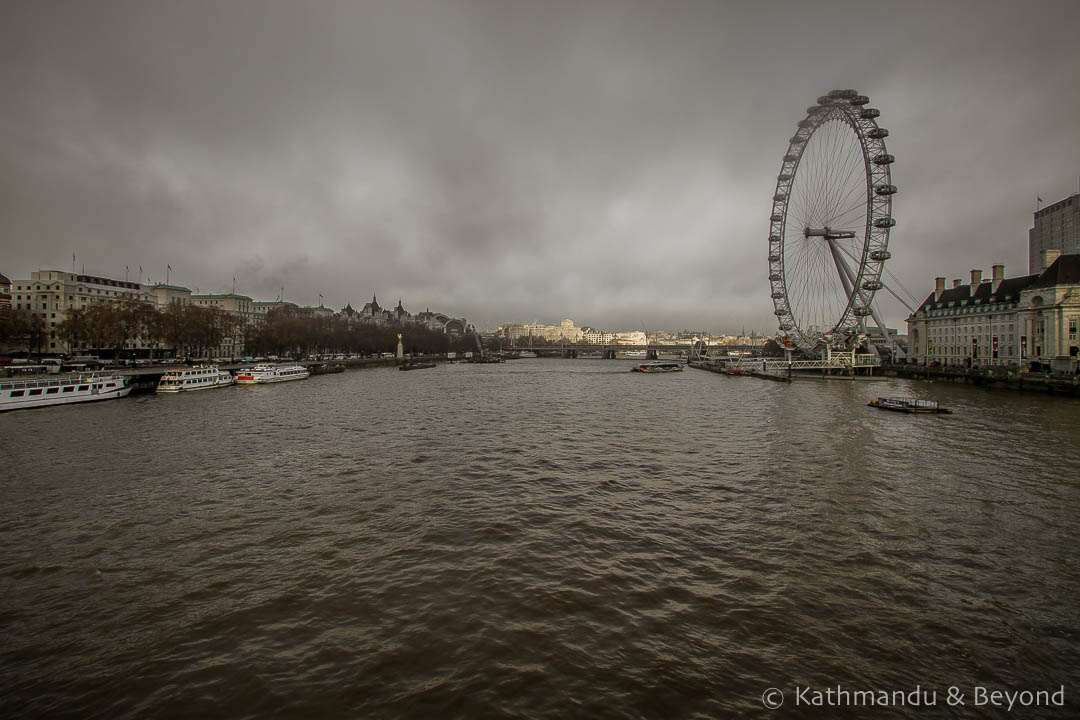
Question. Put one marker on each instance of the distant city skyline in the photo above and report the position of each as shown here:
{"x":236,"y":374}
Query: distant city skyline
{"x":150,"y":283}
{"x":610,"y":162}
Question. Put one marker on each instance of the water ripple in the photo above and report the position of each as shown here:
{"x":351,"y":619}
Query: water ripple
{"x":539,"y":539}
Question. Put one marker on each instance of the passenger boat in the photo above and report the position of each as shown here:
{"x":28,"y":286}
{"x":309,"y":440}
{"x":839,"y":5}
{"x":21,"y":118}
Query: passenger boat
{"x":270,"y":374}
{"x":657,"y":367}
{"x":199,"y":377}
{"x":80,"y":387}
{"x":327,"y":368}
{"x":418,"y":365}
{"x":908,"y":405}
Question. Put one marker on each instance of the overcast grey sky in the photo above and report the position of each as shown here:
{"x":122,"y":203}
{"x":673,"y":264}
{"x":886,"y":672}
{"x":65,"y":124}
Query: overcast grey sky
{"x":513,"y":161}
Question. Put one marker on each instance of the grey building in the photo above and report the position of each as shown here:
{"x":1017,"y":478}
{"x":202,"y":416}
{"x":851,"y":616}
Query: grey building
{"x":1056,"y":228}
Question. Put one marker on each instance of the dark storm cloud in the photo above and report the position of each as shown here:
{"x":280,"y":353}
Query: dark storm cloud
{"x":512,"y":161}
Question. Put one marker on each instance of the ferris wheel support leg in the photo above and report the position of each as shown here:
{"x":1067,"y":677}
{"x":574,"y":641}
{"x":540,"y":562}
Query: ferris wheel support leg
{"x":846,"y":276}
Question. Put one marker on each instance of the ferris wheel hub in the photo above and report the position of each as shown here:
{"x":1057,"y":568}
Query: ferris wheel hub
{"x":828,"y":233}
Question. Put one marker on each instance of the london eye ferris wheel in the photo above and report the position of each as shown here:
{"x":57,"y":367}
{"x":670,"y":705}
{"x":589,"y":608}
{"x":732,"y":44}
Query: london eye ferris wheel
{"x":830,"y":222}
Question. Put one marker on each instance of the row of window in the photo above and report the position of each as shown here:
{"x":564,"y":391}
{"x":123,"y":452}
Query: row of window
{"x":1000,"y":307}
{"x":56,"y":390}
{"x":83,"y":291}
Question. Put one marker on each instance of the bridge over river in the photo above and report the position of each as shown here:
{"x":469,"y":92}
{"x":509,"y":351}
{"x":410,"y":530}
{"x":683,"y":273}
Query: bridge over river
{"x":611,"y":351}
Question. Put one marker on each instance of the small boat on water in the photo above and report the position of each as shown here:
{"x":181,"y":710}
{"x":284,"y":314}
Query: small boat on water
{"x":199,"y":377}
{"x":908,"y":405}
{"x":79,"y":387}
{"x":657,"y":367}
{"x":327,"y":368}
{"x":416,"y":365}
{"x":271,"y":373}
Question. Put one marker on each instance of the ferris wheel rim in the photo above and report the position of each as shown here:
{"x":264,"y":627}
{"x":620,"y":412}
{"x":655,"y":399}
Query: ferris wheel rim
{"x":847,"y":108}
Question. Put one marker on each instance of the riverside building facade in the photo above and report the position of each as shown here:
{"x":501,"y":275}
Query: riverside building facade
{"x":50,"y":294}
{"x":1001,"y":321}
{"x":5,"y":292}
{"x":166,"y":295}
{"x":240,"y":310}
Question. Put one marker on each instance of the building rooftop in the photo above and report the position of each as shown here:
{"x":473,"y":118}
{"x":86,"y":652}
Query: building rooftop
{"x":1064,"y":271}
{"x":171,"y":287}
{"x":1008,"y":291}
{"x":222,"y":296}
{"x":1060,"y":204}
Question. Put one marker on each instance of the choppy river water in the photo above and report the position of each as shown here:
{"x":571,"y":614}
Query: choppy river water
{"x":542,"y":538}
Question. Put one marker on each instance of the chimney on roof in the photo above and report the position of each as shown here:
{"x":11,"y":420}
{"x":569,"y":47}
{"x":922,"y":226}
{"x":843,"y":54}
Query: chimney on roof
{"x":999,"y":276}
{"x":939,"y":287}
{"x":976,"y":277}
{"x":1049,"y":256}
{"x":957,"y":283}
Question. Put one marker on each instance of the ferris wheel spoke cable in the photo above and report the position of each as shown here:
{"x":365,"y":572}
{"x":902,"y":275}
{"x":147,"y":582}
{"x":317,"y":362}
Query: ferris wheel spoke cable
{"x":843,"y":199}
{"x":802,"y":268}
{"x":912,"y":300}
{"x":852,"y":189}
{"x":834,"y":159}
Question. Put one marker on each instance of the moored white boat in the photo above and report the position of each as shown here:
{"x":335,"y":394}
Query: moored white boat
{"x":271,"y":373}
{"x":62,"y":390}
{"x":199,"y":377}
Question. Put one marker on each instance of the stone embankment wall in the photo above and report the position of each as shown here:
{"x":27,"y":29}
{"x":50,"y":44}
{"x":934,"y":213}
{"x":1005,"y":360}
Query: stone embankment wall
{"x":998,"y":378}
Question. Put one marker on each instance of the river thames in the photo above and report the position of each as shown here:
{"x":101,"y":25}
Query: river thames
{"x":540,"y":539}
